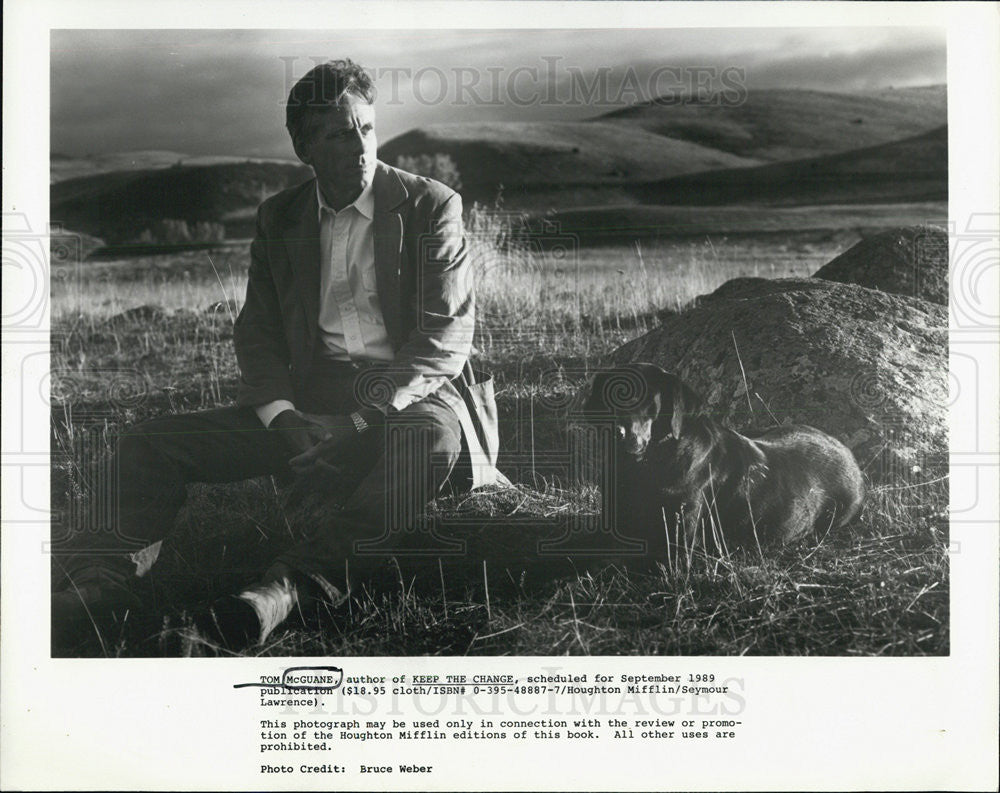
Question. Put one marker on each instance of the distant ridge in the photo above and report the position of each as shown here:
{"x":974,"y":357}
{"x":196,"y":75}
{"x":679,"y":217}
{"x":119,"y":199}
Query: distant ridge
{"x":65,"y":166}
{"x":119,"y":206}
{"x":910,"y":170}
{"x":551,"y":165}
{"x":791,"y":124}
{"x":528,"y":158}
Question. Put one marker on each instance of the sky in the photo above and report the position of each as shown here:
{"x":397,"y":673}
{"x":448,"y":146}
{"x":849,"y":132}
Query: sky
{"x":222,"y":92}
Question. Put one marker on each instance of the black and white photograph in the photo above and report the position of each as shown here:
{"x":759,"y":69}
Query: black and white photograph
{"x":494,"y":395}
{"x":608,"y":354}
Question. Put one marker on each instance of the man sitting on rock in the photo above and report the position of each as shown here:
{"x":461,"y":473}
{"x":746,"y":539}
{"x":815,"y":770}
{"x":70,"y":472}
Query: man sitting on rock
{"x":353,"y":348}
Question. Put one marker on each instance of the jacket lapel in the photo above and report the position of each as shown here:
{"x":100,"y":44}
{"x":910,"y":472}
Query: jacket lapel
{"x":388,"y":229}
{"x":302,"y":245}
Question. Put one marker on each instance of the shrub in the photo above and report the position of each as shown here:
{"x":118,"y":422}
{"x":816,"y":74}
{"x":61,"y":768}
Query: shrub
{"x":179,"y":232}
{"x":434,"y":166}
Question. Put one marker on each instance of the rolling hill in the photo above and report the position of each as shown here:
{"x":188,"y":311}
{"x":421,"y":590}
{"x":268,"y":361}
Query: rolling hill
{"x":894,"y":184}
{"x":545,"y":165}
{"x":539,"y":161}
{"x":788,"y":124}
{"x":64,"y":166}
{"x":119,"y":206}
{"x":911,"y":170}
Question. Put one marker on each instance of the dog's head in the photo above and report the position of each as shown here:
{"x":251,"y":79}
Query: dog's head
{"x":645,"y":404}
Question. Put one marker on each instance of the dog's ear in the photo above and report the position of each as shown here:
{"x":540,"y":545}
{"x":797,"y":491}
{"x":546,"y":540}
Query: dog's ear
{"x":680,"y":403}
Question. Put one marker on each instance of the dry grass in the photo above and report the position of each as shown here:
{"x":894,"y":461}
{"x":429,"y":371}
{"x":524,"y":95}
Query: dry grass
{"x":546,"y":319}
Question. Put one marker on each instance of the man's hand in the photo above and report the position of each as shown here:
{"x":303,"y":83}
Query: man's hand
{"x":302,"y":431}
{"x":321,"y":454}
{"x":339,"y":429}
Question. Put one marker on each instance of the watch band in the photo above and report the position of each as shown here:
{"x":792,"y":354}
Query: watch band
{"x":359,"y":422}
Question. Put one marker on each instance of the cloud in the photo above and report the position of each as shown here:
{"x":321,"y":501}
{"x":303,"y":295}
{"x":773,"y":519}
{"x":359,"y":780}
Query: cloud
{"x":222,"y":92}
{"x":923,"y":63}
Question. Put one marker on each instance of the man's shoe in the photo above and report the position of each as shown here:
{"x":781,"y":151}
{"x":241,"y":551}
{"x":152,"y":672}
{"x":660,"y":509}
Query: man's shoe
{"x":94,"y":599}
{"x":237,"y":622}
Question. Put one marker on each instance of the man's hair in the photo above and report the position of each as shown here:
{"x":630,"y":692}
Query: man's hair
{"x":322,"y":88}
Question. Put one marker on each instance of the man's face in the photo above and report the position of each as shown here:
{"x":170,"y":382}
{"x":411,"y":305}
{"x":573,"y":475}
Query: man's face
{"x":340,"y":146}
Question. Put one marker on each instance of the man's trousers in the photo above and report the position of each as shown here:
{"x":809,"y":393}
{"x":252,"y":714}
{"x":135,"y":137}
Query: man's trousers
{"x":390,"y":473}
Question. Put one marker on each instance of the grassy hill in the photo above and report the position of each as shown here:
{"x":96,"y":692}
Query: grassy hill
{"x":118,"y":206}
{"x":915,"y":169}
{"x":64,"y":166}
{"x":545,"y":166}
{"x":538,"y":161}
{"x":789,"y":124}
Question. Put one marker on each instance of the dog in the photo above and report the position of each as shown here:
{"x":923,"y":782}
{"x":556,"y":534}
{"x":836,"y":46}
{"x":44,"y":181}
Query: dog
{"x":680,"y":477}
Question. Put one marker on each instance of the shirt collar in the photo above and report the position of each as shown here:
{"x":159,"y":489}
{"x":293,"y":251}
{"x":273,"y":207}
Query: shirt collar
{"x":364,"y":203}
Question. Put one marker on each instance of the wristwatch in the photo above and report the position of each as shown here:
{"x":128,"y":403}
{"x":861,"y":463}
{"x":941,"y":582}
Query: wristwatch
{"x":359,"y":422}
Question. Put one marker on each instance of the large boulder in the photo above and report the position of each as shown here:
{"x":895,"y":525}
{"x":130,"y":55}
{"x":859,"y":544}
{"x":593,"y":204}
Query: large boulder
{"x":868,"y":367}
{"x":912,"y":260}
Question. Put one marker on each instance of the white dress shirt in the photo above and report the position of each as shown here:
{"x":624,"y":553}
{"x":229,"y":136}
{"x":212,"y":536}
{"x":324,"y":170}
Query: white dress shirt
{"x":350,"y":318}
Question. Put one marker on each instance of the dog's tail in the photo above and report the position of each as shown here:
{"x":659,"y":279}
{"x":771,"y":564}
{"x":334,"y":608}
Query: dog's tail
{"x":850,"y":495}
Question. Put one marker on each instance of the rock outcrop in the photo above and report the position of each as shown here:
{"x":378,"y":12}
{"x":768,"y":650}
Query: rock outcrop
{"x":866,"y":366}
{"x":906,"y":261}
